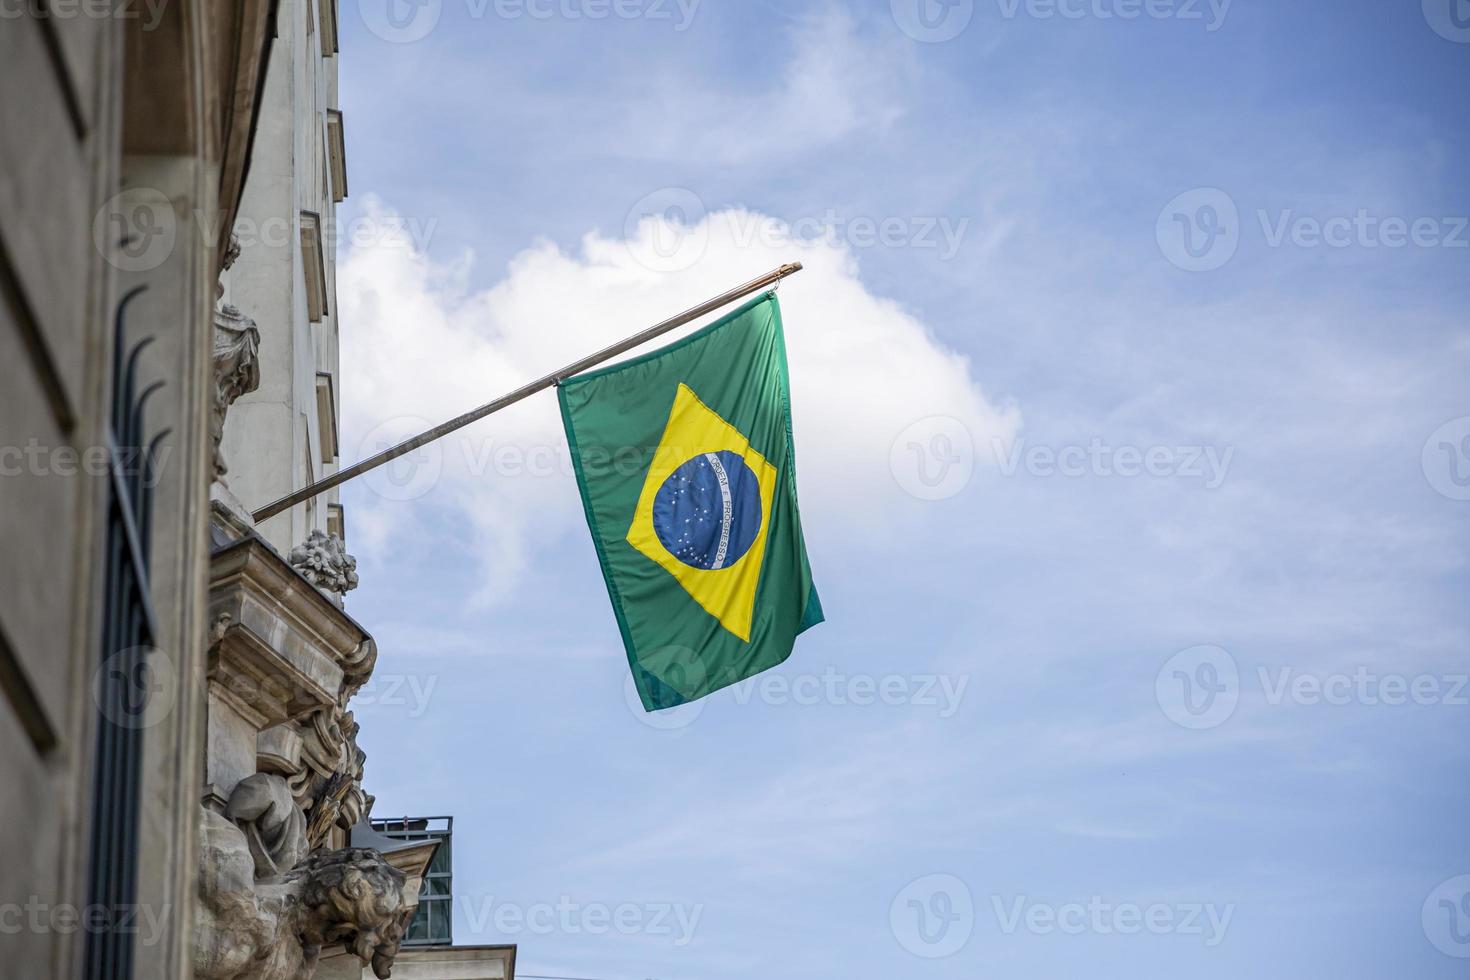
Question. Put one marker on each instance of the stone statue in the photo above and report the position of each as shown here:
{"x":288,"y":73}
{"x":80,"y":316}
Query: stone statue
{"x":274,"y":826}
{"x":236,"y":372}
{"x":276,"y":928}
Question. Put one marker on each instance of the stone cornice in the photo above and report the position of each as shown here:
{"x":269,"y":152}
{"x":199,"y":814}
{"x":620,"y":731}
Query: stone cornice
{"x":468,"y":962}
{"x":281,"y":646}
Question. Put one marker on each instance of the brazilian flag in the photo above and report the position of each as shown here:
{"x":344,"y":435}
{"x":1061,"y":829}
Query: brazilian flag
{"x":687,"y":472}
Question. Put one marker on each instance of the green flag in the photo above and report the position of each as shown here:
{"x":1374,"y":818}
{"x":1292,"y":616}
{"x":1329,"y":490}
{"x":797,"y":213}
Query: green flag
{"x":688,"y":476}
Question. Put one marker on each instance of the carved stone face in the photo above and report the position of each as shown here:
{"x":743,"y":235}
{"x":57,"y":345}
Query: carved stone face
{"x":276,"y":928}
{"x":356,"y":897}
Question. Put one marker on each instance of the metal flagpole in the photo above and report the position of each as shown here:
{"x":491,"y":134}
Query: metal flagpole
{"x":773,"y":277}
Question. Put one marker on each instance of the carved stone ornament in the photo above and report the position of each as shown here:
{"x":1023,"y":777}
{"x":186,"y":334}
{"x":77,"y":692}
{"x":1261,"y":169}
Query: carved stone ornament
{"x":232,"y":252}
{"x":326,"y":781}
{"x":236,"y":371}
{"x":227,"y":259}
{"x":325,"y":563}
{"x":276,"y":928}
{"x":284,"y":775}
{"x":274,"y":826}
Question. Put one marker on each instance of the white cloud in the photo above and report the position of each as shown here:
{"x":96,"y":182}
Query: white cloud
{"x":426,"y":347}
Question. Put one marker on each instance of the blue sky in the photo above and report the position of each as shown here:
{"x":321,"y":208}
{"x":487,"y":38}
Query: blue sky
{"x":1133,"y":548}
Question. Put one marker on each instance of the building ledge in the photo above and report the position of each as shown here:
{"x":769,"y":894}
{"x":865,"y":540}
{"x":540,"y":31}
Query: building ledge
{"x":278,"y":632}
{"x":280,"y":651}
{"x":429,"y":963}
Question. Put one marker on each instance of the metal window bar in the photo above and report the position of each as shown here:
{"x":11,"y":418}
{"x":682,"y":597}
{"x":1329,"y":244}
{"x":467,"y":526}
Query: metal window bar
{"x":122,"y":686}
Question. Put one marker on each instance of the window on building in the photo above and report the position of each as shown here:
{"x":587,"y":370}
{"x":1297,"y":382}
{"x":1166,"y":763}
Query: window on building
{"x":337,"y":154}
{"x":326,"y":416}
{"x":313,"y":260}
{"x":308,"y":473}
{"x":327,"y":12}
{"x":124,"y":675}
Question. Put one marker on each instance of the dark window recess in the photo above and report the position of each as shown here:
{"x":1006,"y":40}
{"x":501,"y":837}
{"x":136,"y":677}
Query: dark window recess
{"x":124,"y":681}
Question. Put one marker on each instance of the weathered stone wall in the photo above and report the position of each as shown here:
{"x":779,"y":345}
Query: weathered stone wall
{"x":123,"y":133}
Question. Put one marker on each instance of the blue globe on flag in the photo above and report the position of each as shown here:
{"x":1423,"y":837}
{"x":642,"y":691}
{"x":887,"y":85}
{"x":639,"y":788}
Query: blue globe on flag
{"x":708,"y":512}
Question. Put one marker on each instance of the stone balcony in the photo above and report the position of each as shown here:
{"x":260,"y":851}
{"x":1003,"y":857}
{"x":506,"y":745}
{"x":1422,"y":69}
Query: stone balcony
{"x":283,"y":655}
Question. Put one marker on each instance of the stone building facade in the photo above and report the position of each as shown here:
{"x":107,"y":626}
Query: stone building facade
{"x":284,"y":432}
{"x":182,"y":775}
{"x":124,"y":143}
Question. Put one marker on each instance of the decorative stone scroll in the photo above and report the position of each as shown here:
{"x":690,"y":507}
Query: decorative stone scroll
{"x":325,"y":774}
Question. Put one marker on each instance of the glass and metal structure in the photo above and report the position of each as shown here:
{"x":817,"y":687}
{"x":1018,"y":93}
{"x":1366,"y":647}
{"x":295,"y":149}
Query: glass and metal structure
{"x":434,"y":924}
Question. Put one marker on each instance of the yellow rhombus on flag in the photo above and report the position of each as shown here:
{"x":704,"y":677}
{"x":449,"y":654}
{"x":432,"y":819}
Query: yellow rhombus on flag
{"x":726,"y":590}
